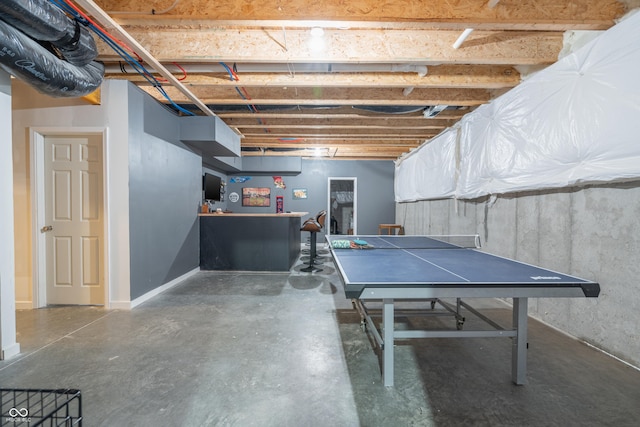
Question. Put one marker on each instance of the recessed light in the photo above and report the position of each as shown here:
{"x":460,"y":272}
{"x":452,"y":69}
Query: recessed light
{"x":317,"y":32}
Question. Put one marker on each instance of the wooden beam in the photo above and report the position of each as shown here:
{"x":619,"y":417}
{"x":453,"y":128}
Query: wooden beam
{"x":443,"y":76}
{"x":264,"y":141}
{"x":541,"y":13}
{"x":334,"y":96}
{"x":341,"y":133}
{"x":331,"y":152}
{"x":370,"y":134}
{"x":352,"y":128}
{"x":344,"y":46}
{"x":495,"y":24}
{"x":404,"y":147}
{"x":381,"y":121}
{"x":344,"y":112}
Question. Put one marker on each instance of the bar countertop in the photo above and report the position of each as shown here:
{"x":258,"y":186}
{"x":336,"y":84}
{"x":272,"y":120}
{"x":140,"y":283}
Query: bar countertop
{"x":263,"y":215}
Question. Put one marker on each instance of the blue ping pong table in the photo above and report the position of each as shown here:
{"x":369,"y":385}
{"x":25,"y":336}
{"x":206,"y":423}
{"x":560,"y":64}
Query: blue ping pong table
{"x":390,"y":269}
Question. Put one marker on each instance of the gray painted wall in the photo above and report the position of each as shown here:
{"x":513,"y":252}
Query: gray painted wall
{"x":165,"y":183}
{"x":591,"y":232}
{"x":375,"y":190}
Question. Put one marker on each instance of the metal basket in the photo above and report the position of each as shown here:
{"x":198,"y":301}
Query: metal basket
{"x":62,"y":407}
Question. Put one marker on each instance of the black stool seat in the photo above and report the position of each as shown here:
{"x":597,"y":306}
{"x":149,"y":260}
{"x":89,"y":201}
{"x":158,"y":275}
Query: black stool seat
{"x":313,"y":226}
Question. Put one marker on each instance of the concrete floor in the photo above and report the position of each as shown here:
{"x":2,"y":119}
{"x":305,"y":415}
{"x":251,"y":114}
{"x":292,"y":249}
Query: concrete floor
{"x":244,"y":349}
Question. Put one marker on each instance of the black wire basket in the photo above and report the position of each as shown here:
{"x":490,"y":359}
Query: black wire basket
{"x":62,"y":407}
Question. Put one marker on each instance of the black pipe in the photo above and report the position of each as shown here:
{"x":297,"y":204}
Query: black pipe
{"x":45,"y":22}
{"x":27,"y":60}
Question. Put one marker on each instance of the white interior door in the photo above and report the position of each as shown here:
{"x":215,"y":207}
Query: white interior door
{"x":74,"y":226}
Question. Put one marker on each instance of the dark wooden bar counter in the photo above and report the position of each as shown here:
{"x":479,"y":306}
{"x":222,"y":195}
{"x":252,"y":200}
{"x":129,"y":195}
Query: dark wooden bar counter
{"x":250,"y":242}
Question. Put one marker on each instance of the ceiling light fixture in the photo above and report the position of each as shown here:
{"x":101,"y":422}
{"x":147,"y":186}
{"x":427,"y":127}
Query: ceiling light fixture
{"x":317,"y":32}
{"x":316,"y":43}
{"x":320,"y":152}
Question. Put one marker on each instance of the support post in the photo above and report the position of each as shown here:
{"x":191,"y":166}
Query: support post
{"x":519,"y":347}
{"x":387,"y":337}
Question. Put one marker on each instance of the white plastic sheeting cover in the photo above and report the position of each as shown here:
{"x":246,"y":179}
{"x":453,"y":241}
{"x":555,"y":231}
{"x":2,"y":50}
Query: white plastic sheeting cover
{"x":429,"y":173}
{"x":577,"y":121}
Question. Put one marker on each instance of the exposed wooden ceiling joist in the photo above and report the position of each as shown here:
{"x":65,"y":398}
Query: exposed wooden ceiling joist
{"x":344,"y":113}
{"x":346,"y":46}
{"x":293,"y":95}
{"x":508,"y":14}
{"x":440,"y":76}
{"x":335,"y":96}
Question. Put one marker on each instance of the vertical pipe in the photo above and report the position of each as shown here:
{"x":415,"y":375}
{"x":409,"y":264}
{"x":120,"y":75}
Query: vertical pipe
{"x":462,"y":37}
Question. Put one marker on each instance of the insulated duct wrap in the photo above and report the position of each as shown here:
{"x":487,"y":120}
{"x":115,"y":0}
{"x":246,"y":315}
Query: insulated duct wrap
{"x":27,"y":60}
{"x":45,"y":22}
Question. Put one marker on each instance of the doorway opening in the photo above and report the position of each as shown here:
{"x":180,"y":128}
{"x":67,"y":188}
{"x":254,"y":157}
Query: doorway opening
{"x":342,"y":206}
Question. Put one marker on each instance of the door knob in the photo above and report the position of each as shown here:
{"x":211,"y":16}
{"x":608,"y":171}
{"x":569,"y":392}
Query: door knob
{"x":46,"y":228}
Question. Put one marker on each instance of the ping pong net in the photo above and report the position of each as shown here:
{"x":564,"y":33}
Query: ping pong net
{"x":457,"y":241}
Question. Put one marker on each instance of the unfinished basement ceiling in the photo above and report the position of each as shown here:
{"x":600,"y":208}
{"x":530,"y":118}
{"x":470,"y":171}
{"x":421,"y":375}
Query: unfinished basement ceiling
{"x":382,"y":78}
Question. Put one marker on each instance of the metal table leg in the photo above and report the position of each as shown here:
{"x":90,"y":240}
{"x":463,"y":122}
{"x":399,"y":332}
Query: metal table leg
{"x":519,"y":347}
{"x":387,"y":336}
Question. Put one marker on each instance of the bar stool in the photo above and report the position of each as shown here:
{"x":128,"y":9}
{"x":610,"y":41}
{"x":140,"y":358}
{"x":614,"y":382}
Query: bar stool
{"x":319,"y":218}
{"x":313,"y":226}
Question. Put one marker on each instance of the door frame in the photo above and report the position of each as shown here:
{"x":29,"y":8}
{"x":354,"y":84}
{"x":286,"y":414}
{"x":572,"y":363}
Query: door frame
{"x":37,"y":136}
{"x":355,"y":201}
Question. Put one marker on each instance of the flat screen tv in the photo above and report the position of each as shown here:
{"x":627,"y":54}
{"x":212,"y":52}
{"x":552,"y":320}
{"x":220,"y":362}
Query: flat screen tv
{"x":211,"y":187}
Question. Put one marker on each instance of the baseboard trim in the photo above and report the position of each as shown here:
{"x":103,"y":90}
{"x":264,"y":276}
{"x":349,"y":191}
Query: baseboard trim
{"x":9,"y":351}
{"x":146,"y":297}
{"x":120,"y":305}
{"x":24,"y":305}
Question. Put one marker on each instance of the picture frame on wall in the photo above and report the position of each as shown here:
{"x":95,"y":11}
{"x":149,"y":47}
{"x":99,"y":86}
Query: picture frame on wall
{"x":299,"y":193}
{"x":256,"y":196}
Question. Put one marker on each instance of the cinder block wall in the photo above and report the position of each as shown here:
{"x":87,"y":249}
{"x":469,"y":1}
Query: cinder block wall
{"x":592,"y":232}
